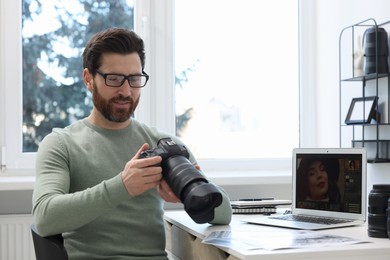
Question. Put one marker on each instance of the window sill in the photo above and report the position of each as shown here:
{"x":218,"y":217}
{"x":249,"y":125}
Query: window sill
{"x":25,"y":180}
{"x":234,"y":178}
{"x":11,"y":180}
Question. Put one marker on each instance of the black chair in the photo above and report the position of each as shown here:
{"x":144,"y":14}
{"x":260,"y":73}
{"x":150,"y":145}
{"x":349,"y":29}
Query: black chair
{"x":48,"y":248}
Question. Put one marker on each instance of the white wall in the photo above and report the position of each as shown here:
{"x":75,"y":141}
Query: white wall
{"x":331,"y":16}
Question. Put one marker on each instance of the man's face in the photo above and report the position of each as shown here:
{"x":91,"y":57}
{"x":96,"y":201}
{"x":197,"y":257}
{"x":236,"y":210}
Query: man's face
{"x":117,"y":104}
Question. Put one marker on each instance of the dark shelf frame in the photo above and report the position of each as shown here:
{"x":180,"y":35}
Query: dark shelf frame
{"x":363,"y":79}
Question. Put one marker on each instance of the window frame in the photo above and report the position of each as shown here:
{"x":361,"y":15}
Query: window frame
{"x":154,"y":23}
{"x":11,"y":90}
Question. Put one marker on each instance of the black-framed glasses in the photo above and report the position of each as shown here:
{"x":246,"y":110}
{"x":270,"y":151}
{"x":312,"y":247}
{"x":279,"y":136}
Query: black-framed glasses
{"x":117,"y":80}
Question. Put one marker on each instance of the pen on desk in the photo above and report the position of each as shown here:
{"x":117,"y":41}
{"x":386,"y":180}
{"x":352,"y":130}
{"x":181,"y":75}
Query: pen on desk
{"x":260,"y":199}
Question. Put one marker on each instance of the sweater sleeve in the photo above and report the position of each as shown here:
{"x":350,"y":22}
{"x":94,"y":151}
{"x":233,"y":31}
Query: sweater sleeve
{"x":56,"y":210}
{"x":223,"y":213}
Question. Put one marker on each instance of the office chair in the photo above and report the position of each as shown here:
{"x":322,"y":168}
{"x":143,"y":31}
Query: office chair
{"x":48,"y":248}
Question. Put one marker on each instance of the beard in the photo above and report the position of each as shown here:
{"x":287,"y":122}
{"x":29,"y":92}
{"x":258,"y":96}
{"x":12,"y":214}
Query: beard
{"x":106,"y":108}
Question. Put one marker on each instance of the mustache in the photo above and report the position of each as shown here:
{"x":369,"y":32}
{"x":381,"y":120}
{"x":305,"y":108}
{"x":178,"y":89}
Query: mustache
{"x":121,"y":98}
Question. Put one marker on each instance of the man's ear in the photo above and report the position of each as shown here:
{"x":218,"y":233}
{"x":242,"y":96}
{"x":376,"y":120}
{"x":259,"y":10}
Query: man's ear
{"x":88,"y":79}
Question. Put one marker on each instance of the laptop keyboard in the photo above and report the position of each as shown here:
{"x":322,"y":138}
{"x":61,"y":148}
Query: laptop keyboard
{"x":312,"y":219}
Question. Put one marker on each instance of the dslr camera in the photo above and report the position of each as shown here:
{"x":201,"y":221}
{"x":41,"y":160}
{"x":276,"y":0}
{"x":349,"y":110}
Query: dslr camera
{"x":199,"y":197}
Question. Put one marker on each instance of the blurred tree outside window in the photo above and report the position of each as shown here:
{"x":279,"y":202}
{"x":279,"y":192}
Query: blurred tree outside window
{"x":54,"y":34}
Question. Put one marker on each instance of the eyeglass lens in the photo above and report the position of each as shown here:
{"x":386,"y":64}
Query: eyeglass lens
{"x":118,"y":80}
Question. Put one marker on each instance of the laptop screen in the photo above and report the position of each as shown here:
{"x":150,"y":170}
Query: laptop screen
{"x":330,"y":181}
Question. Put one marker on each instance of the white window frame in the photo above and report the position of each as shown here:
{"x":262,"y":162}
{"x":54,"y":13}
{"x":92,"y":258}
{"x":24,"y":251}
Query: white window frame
{"x":154,"y":22}
{"x":11,"y":88}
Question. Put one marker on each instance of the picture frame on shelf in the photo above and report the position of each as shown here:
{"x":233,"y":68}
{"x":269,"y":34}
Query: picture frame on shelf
{"x":360,"y":105}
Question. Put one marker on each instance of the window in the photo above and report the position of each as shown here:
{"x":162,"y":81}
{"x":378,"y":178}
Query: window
{"x":248,"y":108}
{"x":52,"y":91}
{"x":237,"y":77}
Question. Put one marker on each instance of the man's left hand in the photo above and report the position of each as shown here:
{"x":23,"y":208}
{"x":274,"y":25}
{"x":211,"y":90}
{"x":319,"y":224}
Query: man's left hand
{"x":166,"y":192}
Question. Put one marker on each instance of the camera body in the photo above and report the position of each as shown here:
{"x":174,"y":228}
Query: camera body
{"x":199,"y":197}
{"x":166,"y":148}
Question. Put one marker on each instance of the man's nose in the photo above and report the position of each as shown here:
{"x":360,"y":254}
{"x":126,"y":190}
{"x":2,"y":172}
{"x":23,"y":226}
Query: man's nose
{"x":125,"y":88}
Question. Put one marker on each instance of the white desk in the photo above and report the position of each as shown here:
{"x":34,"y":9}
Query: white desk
{"x":184,"y":238}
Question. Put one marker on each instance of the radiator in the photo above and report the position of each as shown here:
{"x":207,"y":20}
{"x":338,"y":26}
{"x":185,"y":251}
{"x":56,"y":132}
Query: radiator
{"x":15,"y":237}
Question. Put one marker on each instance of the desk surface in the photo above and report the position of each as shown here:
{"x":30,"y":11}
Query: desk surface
{"x":377,"y":248}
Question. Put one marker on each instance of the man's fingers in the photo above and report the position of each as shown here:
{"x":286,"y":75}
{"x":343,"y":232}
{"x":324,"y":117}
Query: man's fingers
{"x":166,"y":192}
{"x":144,"y":147}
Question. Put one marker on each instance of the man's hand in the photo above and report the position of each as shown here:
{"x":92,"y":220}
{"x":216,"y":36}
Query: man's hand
{"x":140,"y":175}
{"x":166,"y":192}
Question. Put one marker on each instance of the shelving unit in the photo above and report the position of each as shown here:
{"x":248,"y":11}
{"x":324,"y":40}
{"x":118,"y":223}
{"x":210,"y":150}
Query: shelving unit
{"x":374,"y":135}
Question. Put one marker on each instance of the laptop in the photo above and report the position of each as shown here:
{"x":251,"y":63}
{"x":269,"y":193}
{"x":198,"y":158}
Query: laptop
{"x":329,"y":190}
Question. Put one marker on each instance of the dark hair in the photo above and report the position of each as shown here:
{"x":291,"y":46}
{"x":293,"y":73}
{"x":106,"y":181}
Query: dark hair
{"x":332,"y":167}
{"x":112,"y":40}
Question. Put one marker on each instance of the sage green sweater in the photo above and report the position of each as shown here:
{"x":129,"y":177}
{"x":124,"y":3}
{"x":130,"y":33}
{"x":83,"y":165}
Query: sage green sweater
{"x":79,"y":192}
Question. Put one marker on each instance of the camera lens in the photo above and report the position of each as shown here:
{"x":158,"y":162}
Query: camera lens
{"x":388,"y":218}
{"x":376,"y":48}
{"x":200,"y":198}
{"x":377,"y":207}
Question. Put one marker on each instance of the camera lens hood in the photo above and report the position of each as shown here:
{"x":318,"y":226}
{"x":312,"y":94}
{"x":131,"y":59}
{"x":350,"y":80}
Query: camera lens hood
{"x":201,"y":201}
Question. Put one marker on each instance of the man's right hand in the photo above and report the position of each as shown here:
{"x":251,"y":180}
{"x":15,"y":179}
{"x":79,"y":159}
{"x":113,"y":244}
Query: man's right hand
{"x":140,"y":175}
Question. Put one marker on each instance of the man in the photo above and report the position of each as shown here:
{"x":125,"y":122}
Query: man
{"x":92,"y":185}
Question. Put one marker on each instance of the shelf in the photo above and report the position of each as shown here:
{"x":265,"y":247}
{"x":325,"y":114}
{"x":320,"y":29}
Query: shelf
{"x":365,"y":125}
{"x":372,"y":141}
{"x":367,"y":77}
{"x":378,"y":160}
{"x":377,"y":150}
{"x":365,"y":134}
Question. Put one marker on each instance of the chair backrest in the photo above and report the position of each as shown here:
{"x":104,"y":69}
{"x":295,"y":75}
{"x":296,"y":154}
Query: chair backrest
{"x":48,"y":248}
